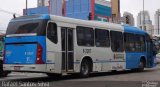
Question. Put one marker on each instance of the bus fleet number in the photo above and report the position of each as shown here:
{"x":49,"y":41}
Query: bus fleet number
{"x":86,"y":50}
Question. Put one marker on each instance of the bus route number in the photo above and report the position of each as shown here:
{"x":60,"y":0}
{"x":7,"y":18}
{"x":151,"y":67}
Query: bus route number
{"x":86,"y":50}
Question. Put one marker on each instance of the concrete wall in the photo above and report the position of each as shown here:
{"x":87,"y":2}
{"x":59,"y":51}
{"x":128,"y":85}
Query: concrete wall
{"x":115,"y":10}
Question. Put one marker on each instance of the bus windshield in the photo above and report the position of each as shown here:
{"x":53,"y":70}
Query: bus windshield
{"x":27,"y":27}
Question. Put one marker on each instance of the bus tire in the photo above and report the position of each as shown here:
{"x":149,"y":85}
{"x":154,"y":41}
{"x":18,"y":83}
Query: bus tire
{"x":85,"y":68}
{"x":141,"y":66}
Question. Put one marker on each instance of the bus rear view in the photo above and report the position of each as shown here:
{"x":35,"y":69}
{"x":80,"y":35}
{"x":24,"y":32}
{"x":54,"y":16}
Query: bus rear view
{"x":25,"y":47}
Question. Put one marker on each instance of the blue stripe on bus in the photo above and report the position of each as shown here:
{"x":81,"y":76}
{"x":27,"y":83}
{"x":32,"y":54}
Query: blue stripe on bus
{"x":101,"y":62}
{"x":76,"y":62}
{"x":50,"y":63}
{"x":107,"y":61}
{"x":94,"y":62}
{"x":55,"y":63}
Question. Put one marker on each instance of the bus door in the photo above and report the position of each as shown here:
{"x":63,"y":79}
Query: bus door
{"x":67,"y":49}
{"x":150,"y":58}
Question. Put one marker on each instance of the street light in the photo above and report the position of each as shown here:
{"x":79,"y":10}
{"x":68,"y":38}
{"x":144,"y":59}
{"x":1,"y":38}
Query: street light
{"x":26,"y":7}
{"x":158,"y":23}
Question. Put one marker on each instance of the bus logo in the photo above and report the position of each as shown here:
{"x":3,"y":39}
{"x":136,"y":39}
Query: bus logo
{"x":8,"y":52}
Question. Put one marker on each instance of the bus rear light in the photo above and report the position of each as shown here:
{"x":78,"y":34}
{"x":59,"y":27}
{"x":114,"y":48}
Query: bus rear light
{"x":39,"y":54}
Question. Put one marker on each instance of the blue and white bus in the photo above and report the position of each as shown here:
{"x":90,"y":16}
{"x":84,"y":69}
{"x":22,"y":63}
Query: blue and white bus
{"x":60,"y":45}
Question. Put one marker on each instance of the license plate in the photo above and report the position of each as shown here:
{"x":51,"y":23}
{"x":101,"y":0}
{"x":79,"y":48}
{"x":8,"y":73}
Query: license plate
{"x":16,"y":68}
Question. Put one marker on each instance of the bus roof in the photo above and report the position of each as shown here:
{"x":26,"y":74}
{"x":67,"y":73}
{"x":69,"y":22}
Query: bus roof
{"x":31,"y":17}
{"x":131,"y":29}
{"x":79,"y":22}
{"x":99,"y":24}
{"x":95,"y":24}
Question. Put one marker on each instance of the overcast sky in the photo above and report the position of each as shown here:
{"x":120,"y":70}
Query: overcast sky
{"x":15,"y":6}
{"x":132,"y":6}
{"x":135,"y":6}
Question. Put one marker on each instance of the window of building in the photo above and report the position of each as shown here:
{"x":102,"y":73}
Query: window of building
{"x":116,"y":41}
{"x":52,"y":32}
{"x":85,"y":36}
{"x":129,"y":42}
{"x":102,"y":38}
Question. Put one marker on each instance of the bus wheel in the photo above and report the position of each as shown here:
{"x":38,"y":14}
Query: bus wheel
{"x":85,"y":68}
{"x":141,"y":66}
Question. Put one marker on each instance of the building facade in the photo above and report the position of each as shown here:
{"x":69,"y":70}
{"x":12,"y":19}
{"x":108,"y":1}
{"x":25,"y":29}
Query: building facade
{"x":56,"y":7}
{"x":37,"y":10}
{"x":81,"y":9}
{"x":157,"y":23}
{"x":115,"y":11}
{"x":42,"y":8}
{"x":42,"y":3}
{"x":144,"y":22}
{"x":88,"y":9}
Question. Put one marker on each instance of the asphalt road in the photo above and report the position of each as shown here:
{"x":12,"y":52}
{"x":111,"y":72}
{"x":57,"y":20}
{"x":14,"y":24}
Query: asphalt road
{"x":109,"y":79}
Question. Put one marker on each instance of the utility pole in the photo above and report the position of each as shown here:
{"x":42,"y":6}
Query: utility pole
{"x":158,"y":22}
{"x":26,"y":7}
{"x":143,"y":18}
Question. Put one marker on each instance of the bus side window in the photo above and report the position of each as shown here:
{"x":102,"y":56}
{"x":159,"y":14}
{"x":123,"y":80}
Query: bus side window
{"x":102,"y":38}
{"x":116,"y":41}
{"x":143,"y":45}
{"x":85,"y":36}
{"x":140,"y":43}
{"x":129,"y":42}
{"x":52,"y":32}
